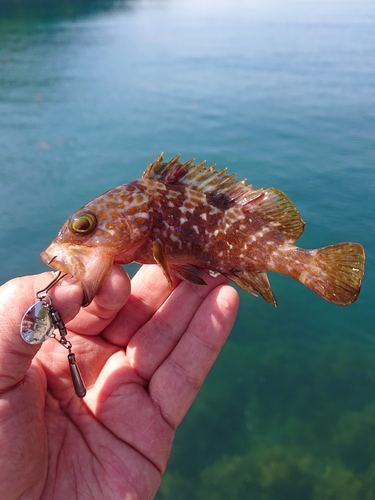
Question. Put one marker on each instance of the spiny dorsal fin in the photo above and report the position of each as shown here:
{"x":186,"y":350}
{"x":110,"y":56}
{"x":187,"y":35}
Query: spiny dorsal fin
{"x":222,"y":190}
{"x":217,"y":184}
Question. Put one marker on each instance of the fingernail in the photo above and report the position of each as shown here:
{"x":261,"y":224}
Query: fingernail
{"x":68,"y":281}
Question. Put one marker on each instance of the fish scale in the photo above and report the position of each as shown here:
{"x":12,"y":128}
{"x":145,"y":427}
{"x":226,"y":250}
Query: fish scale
{"x":188,"y":218}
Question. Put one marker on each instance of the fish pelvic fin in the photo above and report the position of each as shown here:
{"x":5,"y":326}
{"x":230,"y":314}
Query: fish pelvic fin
{"x":334,"y":272}
{"x":253,"y":282}
{"x":188,"y":272}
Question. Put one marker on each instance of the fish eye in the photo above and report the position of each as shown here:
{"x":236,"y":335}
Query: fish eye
{"x":83,"y":222}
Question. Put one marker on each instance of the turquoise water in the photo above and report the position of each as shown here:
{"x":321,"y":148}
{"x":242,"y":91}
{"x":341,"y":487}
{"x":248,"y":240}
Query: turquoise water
{"x":281,"y":92}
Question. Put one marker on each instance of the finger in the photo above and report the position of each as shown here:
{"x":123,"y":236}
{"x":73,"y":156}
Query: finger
{"x":151,"y":345}
{"x":149,"y":289}
{"x":176,"y":383}
{"x":16,"y":297}
{"x":112,"y":296}
{"x":103,"y":311}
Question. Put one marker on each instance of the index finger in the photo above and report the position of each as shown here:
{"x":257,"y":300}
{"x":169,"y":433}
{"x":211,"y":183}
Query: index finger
{"x":112,"y":296}
{"x":149,"y":290}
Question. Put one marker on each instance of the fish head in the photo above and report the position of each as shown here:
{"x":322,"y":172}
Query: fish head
{"x":109,"y":228}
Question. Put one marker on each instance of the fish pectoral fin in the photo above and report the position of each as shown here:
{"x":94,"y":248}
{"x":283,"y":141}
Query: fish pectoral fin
{"x":161,"y":259}
{"x":252,"y":282}
{"x":188,"y":272}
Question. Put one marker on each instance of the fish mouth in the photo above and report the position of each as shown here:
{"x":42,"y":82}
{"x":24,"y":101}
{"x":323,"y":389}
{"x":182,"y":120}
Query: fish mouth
{"x":64,"y":259}
{"x":89,"y":265}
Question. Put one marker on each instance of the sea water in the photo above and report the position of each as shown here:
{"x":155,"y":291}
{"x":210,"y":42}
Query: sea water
{"x":280,"y":92}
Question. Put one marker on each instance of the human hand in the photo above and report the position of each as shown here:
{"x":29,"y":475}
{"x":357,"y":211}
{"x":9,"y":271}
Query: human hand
{"x":143,"y":356}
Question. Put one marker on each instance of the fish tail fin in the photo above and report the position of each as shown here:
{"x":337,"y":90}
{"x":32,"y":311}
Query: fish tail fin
{"x":334,"y":272}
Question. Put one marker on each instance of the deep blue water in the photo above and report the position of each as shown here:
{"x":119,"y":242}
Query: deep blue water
{"x":281,"y":92}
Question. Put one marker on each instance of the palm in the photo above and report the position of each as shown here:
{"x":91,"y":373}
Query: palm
{"x":115,"y":443}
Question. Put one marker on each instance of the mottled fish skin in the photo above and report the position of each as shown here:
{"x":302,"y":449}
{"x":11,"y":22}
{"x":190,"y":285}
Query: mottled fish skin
{"x":189,"y":217}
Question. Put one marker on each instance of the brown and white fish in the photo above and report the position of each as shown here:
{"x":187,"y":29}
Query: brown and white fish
{"x":188,"y":217}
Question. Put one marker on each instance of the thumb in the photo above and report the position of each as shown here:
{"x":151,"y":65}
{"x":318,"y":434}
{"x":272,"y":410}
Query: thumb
{"x":16,"y":296}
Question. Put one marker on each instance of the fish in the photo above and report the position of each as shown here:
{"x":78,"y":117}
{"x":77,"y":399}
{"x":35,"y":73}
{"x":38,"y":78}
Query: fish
{"x":186,"y":218}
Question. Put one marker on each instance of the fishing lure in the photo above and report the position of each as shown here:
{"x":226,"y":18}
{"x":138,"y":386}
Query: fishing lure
{"x":39,"y":324}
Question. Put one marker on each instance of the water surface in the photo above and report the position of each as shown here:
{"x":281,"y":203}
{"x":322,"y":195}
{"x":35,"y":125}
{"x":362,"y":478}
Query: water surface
{"x":281,"y":92}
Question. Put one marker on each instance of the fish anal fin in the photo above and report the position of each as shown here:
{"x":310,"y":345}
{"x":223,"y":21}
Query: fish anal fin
{"x":187,"y":272}
{"x":252,"y":282}
{"x":275,"y":211}
{"x":160,"y":258}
